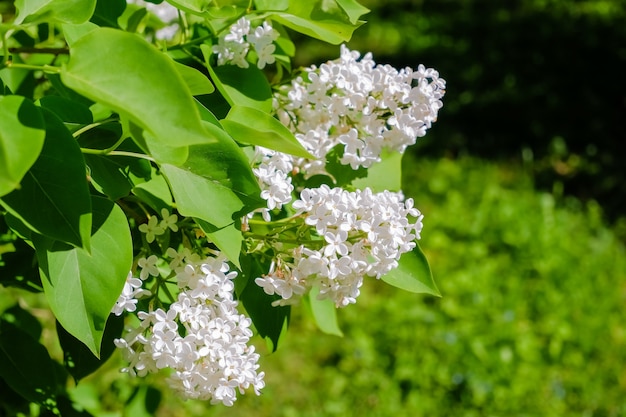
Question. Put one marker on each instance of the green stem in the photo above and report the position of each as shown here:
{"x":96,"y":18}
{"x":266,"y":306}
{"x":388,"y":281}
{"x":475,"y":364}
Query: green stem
{"x":116,"y":153}
{"x":274,"y":222}
{"x":283,"y":240}
{"x":45,"y":68}
{"x":132,"y":154}
{"x":34,"y":50}
{"x":191,"y":43}
{"x":94,"y":125}
{"x":167,"y":292}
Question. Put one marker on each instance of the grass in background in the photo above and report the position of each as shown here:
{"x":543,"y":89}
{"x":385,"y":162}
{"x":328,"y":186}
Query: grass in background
{"x":531,"y":322}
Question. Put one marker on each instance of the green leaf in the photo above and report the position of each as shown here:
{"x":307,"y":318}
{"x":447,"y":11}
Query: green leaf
{"x":271,"y":4}
{"x":132,"y":18}
{"x":207,"y":115}
{"x":111,"y":174}
{"x":324,"y":313}
{"x":192,"y":6}
{"x":19,"y":268}
{"x":384,"y":175}
{"x":72,"y":33}
{"x":78,"y":359}
{"x":81,"y":288}
{"x":162,"y":153}
{"x":22,"y":133}
{"x":254,"y":127}
{"x":11,"y":403}
{"x":413,"y":274}
{"x":53,"y":198}
{"x":17,"y":79}
{"x":153,"y":191}
{"x":25,"y":365}
{"x":127,"y":74}
{"x":63,"y":11}
{"x":331,"y":21}
{"x":218,"y":172}
{"x":353,"y":9}
{"x":144,"y":401}
{"x":22,"y":319}
{"x":197,"y":82}
{"x":246,"y":87}
{"x":67,"y":110}
{"x":108,"y":175}
{"x":63,"y":91}
{"x":107,"y":12}
{"x":229,"y":239}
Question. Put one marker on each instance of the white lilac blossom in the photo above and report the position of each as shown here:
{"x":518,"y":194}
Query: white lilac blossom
{"x":273,"y":169}
{"x":166,"y":13}
{"x":169,"y":221}
{"x":201,"y":337}
{"x":131,"y":293}
{"x":360,"y":106}
{"x":234,"y":46}
{"x":360,"y":234}
{"x":152,"y":229}
{"x":148,"y":267}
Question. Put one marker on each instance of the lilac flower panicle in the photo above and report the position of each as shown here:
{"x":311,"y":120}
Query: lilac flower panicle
{"x":359,"y":105}
{"x":201,"y":337}
{"x":361,"y":234}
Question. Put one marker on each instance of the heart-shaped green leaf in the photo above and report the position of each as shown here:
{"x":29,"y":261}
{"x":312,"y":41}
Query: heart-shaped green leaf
{"x":53,"y":198}
{"x":215,"y":185}
{"x":332,"y":21}
{"x":413,"y":274}
{"x":82,"y":288}
{"x":130,"y":76}
{"x":25,"y":365}
{"x":324,"y":313}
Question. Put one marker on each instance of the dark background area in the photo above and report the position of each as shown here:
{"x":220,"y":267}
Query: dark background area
{"x":539,"y":82}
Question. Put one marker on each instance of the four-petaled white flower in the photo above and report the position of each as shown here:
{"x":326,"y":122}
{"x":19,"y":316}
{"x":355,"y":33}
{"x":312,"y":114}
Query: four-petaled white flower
{"x":169,"y":221}
{"x":148,"y":267}
{"x":151,"y":229}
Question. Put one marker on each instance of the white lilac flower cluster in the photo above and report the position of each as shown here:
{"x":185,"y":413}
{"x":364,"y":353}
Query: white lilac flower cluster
{"x":201,"y":337}
{"x":234,"y":46}
{"x":166,"y":13}
{"x":353,"y":104}
{"x":363,"y":234}
{"x":272,"y":170}
{"x":360,"y":106}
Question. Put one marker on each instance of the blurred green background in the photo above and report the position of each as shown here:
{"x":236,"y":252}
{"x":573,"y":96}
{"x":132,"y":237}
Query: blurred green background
{"x":521,"y":182}
{"x":542,"y":79}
